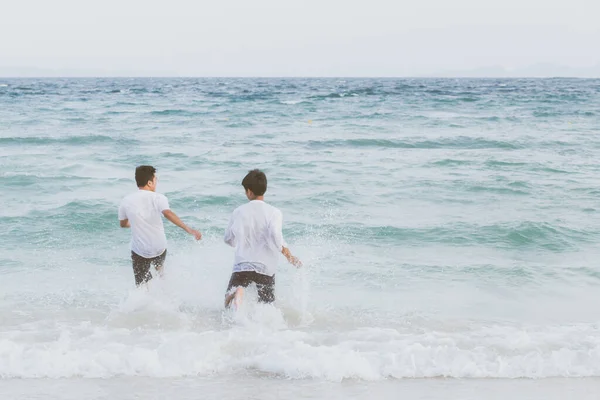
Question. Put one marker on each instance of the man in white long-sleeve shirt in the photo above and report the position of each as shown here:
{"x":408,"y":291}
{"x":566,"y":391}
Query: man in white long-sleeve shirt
{"x":255,"y":231}
{"x":142,"y":211}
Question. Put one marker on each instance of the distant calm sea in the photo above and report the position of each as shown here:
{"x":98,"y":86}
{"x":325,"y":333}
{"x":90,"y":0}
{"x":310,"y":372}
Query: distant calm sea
{"x":449,"y":229}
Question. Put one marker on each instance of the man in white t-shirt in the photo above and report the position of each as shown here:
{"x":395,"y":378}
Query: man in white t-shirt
{"x":142,"y":211}
{"x":255,"y":231}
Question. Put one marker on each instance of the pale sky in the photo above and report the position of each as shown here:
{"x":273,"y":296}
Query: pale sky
{"x":296,"y":38}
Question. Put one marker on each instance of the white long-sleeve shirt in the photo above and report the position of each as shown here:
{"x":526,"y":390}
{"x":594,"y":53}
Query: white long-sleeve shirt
{"x":255,"y":231}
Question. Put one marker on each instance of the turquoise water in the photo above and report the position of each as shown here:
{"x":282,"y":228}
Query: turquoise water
{"x":447,"y":227}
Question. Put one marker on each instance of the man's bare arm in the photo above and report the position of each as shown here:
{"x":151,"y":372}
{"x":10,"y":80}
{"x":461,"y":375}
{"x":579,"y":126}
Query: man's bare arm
{"x":171,"y":216}
{"x":292,"y":260}
{"x":124,"y":223}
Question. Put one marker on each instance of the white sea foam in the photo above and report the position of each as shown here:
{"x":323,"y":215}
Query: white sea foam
{"x":292,"y":102}
{"x":260,"y":341}
{"x":177,"y":328}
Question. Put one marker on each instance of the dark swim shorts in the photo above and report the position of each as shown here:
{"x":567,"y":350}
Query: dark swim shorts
{"x":264,"y":283}
{"x":142,"y":265}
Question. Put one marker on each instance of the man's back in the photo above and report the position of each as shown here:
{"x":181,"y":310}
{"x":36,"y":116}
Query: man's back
{"x":255,"y":232}
{"x":144,"y":210}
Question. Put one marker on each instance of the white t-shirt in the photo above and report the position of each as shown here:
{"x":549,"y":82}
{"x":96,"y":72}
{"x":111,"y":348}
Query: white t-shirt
{"x":144,"y":210}
{"x":255,"y":232}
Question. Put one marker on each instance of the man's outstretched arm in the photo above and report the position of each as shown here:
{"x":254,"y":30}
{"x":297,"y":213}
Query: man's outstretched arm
{"x":171,"y":216}
{"x":277,"y":233}
{"x":291,"y":258}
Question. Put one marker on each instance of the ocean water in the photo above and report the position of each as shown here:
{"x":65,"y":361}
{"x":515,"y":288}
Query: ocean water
{"x":449,"y":231}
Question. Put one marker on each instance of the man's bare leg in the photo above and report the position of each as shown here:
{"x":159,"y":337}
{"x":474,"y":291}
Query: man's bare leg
{"x":236,"y":296}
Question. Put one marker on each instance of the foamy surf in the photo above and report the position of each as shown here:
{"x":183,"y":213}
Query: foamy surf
{"x":293,"y":102}
{"x":260,"y":343}
{"x":155,"y":304}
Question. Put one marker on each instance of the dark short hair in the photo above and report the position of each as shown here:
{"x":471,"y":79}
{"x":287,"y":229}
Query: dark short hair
{"x":256,"y":180}
{"x":143,"y":174}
